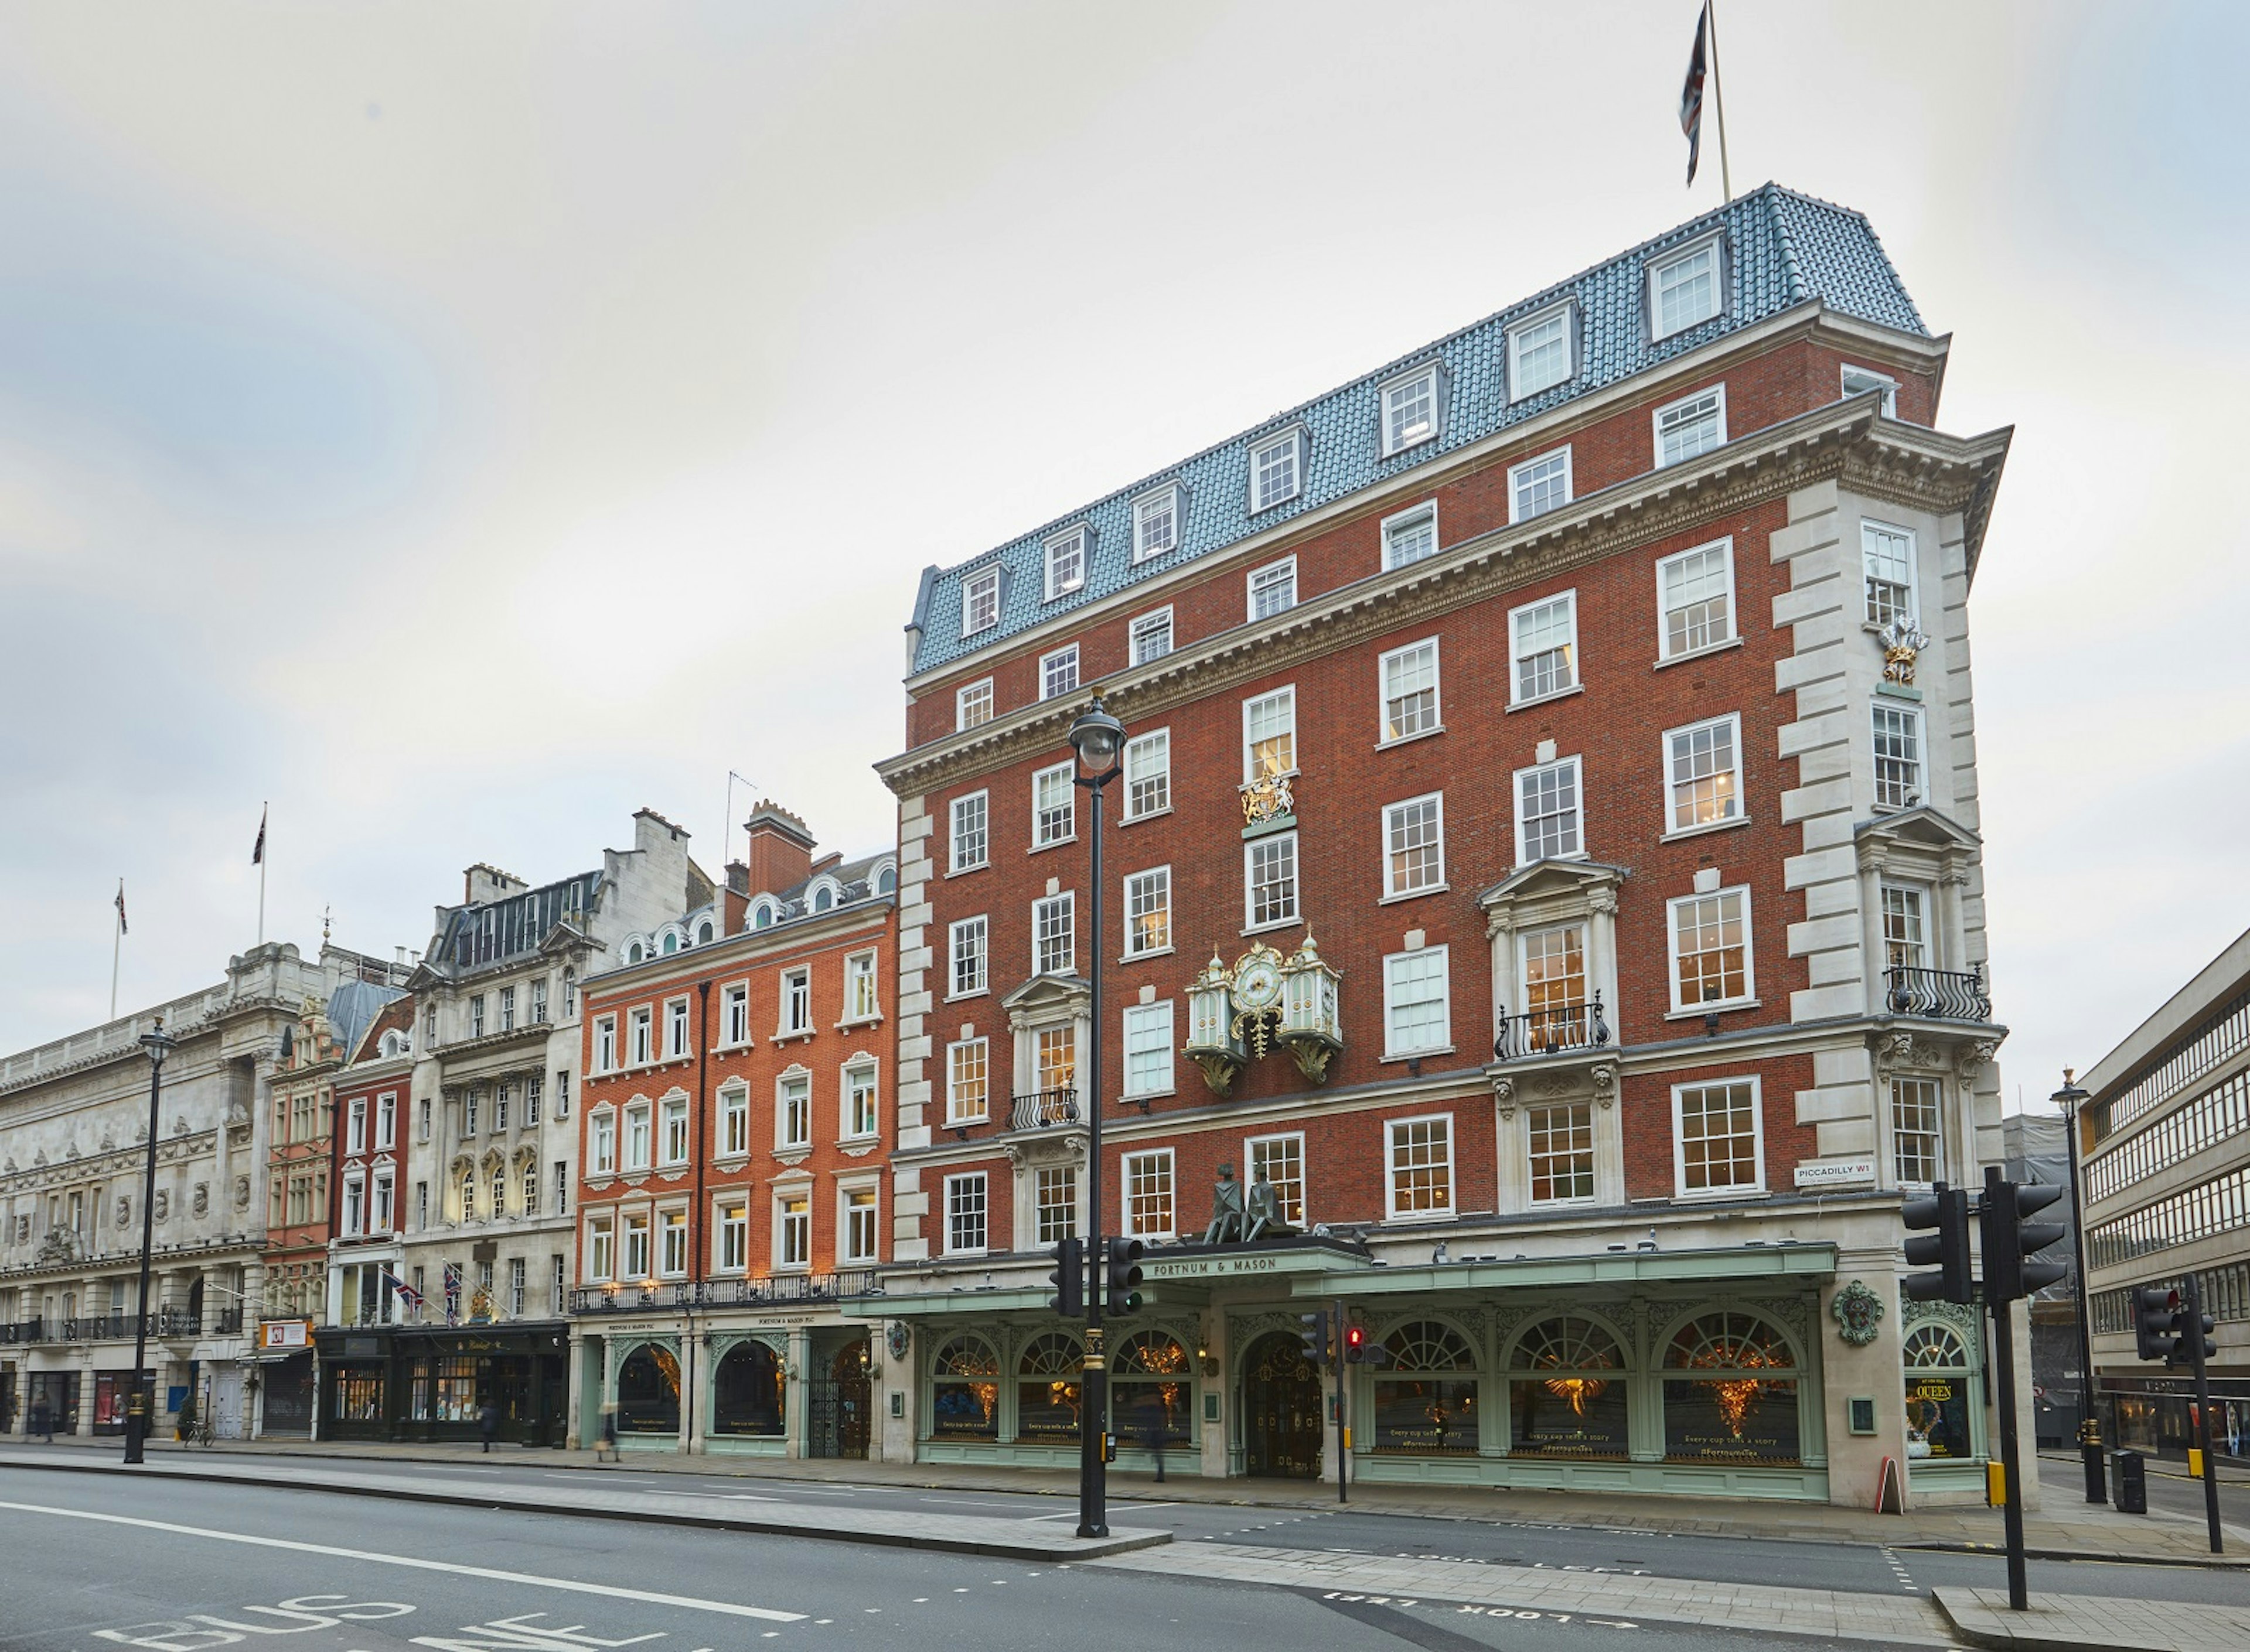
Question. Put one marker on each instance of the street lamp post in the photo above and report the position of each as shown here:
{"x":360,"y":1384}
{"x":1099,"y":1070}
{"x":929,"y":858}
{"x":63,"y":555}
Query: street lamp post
{"x":159,"y":1044}
{"x":1099,"y":740}
{"x":2070,"y":1098}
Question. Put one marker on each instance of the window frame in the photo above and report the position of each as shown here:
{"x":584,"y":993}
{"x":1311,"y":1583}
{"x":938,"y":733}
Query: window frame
{"x":1442,"y":951}
{"x":1575,"y":764}
{"x":961,"y":1179}
{"x":1566,"y":312}
{"x":1293,"y":437}
{"x":1671,"y":952}
{"x":678,"y":1037}
{"x":1912,"y":607}
{"x":1515,"y":511}
{"x":1532,"y":1156}
{"x":847,"y":1227}
{"x":971,"y":584}
{"x":1882,"y":381}
{"x":730,"y":1234}
{"x":1739,"y":808}
{"x":1712,"y":244}
{"x":1515,"y":655}
{"x":1073,"y":544}
{"x":734,"y":1099}
{"x":1286,"y":567}
{"x":1733,"y":1190}
{"x":1250,"y":1145}
{"x":1170,"y":497}
{"x":1154,"y":1158}
{"x":674,"y":1121}
{"x":956,"y":932}
{"x":1067,"y":899}
{"x":1067,"y":773}
{"x":1251,"y":923}
{"x":1396,"y":522}
{"x":1140,"y":744}
{"x":1391,"y":1167}
{"x":1917,"y":727}
{"x":1250,"y":772}
{"x":605,"y":1047}
{"x":785,"y":1114}
{"x":1391,"y":891}
{"x":1132,"y":1013}
{"x":1133,"y":950}
{"x":863,"y":975}
{"x":796,"y":995}
{"x":1665,"y":653}
{"x":1049,"y":663}
{"x":1384,"y":697}
{"x":961,"y":722}
{"x":862,"y":1074}
{"x":792,"y":1227}
{"x":955,"y":863}
{"x":1134,"y":637}
{"x":1656,"y":425}
{"x":1389,"y":443}
{"x":735,"y":1016}
{"x":953,"y":1116}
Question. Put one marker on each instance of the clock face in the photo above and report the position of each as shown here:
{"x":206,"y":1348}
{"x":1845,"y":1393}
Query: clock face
{"x":1258,"y":984}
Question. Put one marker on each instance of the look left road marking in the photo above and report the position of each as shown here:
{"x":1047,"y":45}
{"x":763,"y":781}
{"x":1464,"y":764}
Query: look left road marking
{"x":571,"y":1585}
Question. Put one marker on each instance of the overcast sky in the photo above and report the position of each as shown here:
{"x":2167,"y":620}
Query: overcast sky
{"x":466,"y":425}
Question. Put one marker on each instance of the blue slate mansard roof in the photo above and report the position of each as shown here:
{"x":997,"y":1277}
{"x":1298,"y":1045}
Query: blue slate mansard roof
{"x":1783,"y":250}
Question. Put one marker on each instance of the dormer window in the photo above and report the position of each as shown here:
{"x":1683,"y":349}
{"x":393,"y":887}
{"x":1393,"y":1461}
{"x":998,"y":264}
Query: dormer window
{"x":1410,"y":411}
{"x":1858,"y":381}
{"x":980,"y":602}
{"x":823,"y":898}
{"x":1277,"y":469}
{"x":1539,"y":351}
{"x":1684,"y":289}
{"x":1066,"y":563}
{"x":1155,"y":523}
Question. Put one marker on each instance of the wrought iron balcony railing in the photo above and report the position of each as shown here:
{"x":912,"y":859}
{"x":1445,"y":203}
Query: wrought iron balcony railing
{"x":726,"y":1293}
{"x":1044,"y":1109}
{"x":1552,"y":1032}
{"x":1943,"y":994}
{"x":21,"y":1331}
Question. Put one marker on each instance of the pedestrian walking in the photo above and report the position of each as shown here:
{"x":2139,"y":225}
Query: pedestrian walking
{"x":488,"y":1423}
{"x":606,"y":1441}
{"x":1152,"y":1431}
{"x":42,"y":1420}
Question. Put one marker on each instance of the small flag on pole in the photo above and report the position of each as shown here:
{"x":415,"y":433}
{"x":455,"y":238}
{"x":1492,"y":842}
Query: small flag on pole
{"x":258,"y":849}
{"x":411,"y":1296}
{"x":120,"y":906}
{"x":1691,"y":93}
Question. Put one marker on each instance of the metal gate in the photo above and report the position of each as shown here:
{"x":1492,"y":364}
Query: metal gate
{"x":840,"y":1403}
{"x":1281,"y":1411}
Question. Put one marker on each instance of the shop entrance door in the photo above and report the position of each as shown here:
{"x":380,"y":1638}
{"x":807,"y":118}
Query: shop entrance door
{"x":840,"y":1398}
{"x":1281,"y":1411}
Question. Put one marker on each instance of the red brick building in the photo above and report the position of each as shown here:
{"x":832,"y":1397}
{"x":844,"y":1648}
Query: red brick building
{"x":1559,"y":743}
{"x":734,"y":1124}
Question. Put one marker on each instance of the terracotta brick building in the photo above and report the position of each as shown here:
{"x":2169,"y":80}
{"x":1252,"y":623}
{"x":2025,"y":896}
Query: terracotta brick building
{"x":1545,"y":858}
{"x":734,"y":1128}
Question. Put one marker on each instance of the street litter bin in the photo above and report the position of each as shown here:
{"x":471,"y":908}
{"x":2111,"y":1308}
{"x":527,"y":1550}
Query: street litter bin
{"x":2131,"y":1479}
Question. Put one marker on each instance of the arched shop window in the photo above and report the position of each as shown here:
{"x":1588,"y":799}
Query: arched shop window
{"x":1729,"y":1392}
{"x":748,"y":1392}
{"x":1425,"y":1399}
{"x":648,"y":1392}
{"x":1567,"y":1391}
{"x":965,"y":1391}
{"x":1046,"y":1387}
{"x":1150,"y":1389}
{"x":1936,"y":1393}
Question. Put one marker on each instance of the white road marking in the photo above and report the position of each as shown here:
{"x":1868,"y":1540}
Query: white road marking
{"x":969,"y":1502}
{"x":571,"y":1585}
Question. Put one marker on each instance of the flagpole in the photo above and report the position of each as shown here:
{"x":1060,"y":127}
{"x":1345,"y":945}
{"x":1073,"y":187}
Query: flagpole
{"x":266,"y":810}
{"x":1719,"y":97}
{"x":116,"y":948}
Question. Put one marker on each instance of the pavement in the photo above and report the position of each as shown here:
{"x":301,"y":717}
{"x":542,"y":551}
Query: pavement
{"x":2075,"y":1622}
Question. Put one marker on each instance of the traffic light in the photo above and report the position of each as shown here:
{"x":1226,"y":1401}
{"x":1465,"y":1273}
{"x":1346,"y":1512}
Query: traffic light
{"x":1120,"y":1294}
{"x":1314,"y":1334}
{"x":1946,"y":1211}
{"x":1355,"y":1343}
{"x":2153,"y":1312}
{"x":2009,"y":1239}
{"x":2194,"y":1333}
{"x":1069,"y":1280}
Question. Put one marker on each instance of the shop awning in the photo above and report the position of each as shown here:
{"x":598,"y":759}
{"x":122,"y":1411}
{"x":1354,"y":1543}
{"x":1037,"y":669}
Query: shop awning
{"x":1803,"y":1261}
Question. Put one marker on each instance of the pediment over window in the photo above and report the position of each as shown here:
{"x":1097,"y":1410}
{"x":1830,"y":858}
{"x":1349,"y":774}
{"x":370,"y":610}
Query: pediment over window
{"x":1917,"y":841}
{"x":1551,"y":889}
{"x":1048,"y":998}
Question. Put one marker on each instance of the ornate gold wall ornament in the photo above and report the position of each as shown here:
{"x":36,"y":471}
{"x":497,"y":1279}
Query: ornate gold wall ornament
{"x":1267,"y":798}
{"x":1902,"y":642}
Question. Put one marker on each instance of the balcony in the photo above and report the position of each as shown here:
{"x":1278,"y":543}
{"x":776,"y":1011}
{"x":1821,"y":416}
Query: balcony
{"x":1940,"y":994}
{"x":1560,"y":1031}
{"x":21,"y":1331}
{"x":1044,"y":1109}
{"x":779,"y":1290}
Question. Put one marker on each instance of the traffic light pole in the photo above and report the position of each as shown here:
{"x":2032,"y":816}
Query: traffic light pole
{"x":1093,"y":1377}
{"x":2203,"y":1411}
{"x":2012,"y":1513}
{"x":1343,"y":1405}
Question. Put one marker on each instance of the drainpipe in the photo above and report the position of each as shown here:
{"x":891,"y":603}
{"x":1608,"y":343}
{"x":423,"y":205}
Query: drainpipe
{"x":695,"y":1234}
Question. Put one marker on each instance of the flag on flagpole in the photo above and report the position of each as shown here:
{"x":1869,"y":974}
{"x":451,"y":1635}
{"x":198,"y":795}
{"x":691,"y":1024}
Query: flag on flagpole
{"x":120,"y":906}
{"x":407,"y":1293}
{"x":258,"y":849}
{"x":1691,"y":93}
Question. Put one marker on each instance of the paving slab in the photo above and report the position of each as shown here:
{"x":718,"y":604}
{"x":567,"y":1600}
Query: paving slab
{"x":1018,"y":1539}
{"x":2094,"y":1623}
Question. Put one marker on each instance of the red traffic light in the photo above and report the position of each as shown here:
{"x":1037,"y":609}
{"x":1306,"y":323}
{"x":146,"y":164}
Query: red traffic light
{"x":1354,"y":1339}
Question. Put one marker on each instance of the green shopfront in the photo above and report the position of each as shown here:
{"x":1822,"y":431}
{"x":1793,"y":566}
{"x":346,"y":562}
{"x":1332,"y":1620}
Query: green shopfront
{"x":433,"y":1382}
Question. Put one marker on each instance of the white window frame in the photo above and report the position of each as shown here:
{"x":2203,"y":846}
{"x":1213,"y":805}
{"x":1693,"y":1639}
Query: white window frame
{"x":1515,"y":482}
{"x":1912,"y":607}
{"x":635,"y":1236}
{"x":795,"y":1009}
{"x":640,"y":1037}
{"x":1293,"y":438}
{"x":1161,"y":878}
{"x":1566,"y":312}
{"x":1250,"y":1145}
{"x":731,"y":1235}
{"x":671,"y":1244}
{"x":1249,"y":763}
{"x":1714,"y":246}
{"x":1444,"y":1034}
{"x":602,"y":1141}
{"x":792,"y":1230}
{"x":734,"y":1120}
{"x":848,"y":1092}
{"x":863,"y":990}
{"x":1515,"y":655}
{"x":848,"y":1247}
{"x":959,"y":839}
{"x":1137,"y":752}
{"x":356,"y":1125}
{"x":1384,"y":699}
{"x":605,"y":1047}
{"x":1918,"y":728}
{"x":601,"y":1250}
{"x":673,"y":1122}
{"x":981,"y":587}
{"x":1143,"y":628}
{"x":1251,"y":922}
{"x":786,"y":1115}
{"x":953,"y":1113}
{"x":1665,"y":652}
{"x":1156,"y":501}
{"x":735,"y":1016}
{"x":1272,"y":574}
{"x":677,"y":1037}
{"x":1923,"y":902}
{"x":386,"y":1121}
{"x":1875,"y":381}
{"x":639,"y":1144}
{"x":1671,"y":952}
{"x":1391,"y":1127}
{"x":1575,"y":764}
{"x":1656,"y":424}
{"x":1156,"y":1018}
{"x":1043,"y":779}
{"x":1398,"y":522}
{"x":1737,"y":809}
{"x":1050,"y":668}
{"x":965,"y":697}
{"x":1392,"y":889}
{"x":1158,"y":1162}
{"x":1063,"y":560}
{"x":1427,"y":379}
{"x":960,"y":932}
{"x":984,"y":1215}
{"x":1067,"y":901}
{"x":1679,"y":1189}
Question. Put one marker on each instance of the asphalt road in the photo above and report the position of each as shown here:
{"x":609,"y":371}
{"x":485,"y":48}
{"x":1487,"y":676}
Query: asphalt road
{"x":91,"y":1563}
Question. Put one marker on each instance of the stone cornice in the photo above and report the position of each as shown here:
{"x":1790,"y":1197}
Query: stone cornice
{"x":1845,"y":442}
